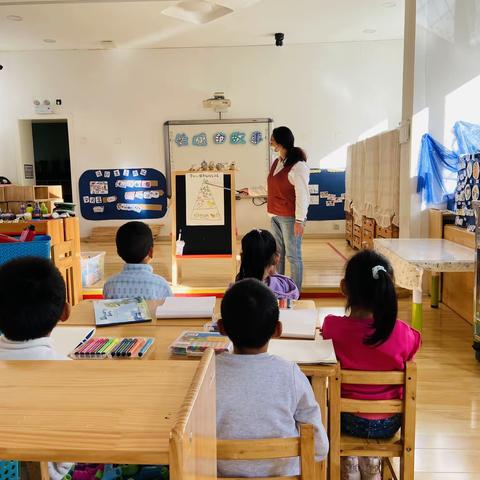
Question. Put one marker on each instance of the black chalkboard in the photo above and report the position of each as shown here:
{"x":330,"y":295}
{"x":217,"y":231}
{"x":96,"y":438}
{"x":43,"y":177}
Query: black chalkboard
{"x":203,"y":240}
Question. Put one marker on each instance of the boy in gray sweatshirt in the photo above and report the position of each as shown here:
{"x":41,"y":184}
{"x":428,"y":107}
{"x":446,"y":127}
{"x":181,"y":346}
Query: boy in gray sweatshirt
{"x":260,"y":395}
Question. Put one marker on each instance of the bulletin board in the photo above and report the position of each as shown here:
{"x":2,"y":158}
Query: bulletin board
{"x":327,"y":195}
{"x":122,"y":194}
{"x":244,"y":142}
{"x":467,"y":191}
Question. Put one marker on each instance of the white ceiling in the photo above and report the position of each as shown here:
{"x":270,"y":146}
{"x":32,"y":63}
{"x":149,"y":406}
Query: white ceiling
{"x":141,"y":24}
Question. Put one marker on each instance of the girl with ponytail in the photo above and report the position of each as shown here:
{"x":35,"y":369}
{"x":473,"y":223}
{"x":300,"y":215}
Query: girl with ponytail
{"x":259,"y":258}
{"x":370,"y":337}
{"x":288,"y":199}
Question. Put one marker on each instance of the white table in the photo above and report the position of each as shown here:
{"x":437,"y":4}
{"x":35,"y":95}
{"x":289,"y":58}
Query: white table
{"x":411,"y":256}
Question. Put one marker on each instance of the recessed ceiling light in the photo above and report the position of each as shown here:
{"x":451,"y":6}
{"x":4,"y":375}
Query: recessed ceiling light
{"x":107,"y":43}
{"x":14,"y":18}
{"x":369,"y":30}
{"x":389,"y":4}
{"x":49,"y":40}
{"x":197,"y":11}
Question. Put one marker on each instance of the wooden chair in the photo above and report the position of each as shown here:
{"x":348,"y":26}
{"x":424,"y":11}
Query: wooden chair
{"x":271,"y":448}
{"x":63,"y":258}
{"x":401,"y":445}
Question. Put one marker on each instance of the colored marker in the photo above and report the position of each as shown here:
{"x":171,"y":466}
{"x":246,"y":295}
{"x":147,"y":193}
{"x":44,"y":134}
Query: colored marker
{"x":92,"y":347}
{"x":144,"y":349}
{"x":117,"y":352}
{"x":84,"y":346}
{"x":131,"y":343}
{"x":101,"y":352}
{"x":112,"y":346}
{"x":99,"y":348}
{"x":134,"y":343}
{"x":91,"y":351}
{"x":134,"y":352}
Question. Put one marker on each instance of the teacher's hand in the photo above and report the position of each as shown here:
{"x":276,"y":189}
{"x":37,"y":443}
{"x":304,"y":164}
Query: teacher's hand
{"x":298,"y":229}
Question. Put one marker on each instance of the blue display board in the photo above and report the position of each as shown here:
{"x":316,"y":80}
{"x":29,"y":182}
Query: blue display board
{"x":327,"y":195}
{"x":122,"y":194}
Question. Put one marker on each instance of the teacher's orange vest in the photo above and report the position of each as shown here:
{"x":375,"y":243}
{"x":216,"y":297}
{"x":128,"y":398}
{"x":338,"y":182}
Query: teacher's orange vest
{"x":281,"y":193}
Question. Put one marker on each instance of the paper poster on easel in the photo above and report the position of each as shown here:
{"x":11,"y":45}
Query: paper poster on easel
{"x":204,"y":199}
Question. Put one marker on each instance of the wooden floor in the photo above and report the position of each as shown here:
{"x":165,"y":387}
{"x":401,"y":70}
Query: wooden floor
{"x":448,"y":413}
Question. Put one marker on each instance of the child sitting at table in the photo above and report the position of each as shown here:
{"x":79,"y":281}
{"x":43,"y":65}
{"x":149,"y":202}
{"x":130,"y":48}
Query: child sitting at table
{"x":135,"y":247}
{"x":370,"y":337}
{"x":259,"y":260}
{"x":260,"y":395}
{"x":32,"y":302}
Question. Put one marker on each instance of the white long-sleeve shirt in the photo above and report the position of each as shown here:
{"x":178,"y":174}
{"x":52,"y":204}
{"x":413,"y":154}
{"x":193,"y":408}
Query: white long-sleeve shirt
{"x":264,"y":396}
{"x":298,"y":176}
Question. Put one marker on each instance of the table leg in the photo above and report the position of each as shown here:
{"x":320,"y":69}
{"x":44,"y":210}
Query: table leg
{"x":435,"y":290}
{"x":417,"y":309}
{"x":320,"y":391}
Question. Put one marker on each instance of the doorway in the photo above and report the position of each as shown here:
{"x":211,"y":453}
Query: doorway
{"x":51,"y":154}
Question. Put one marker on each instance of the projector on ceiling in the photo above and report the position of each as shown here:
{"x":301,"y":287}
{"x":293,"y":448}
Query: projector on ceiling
{"x":218,"y":102}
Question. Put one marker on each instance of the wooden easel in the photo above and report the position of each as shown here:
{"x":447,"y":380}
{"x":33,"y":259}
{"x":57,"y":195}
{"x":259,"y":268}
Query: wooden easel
{"x":230,"y":213}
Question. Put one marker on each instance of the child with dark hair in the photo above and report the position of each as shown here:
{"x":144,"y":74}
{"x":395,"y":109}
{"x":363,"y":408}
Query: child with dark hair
{"x":32,"y":302}
{"x":135,"y":247}
{"x":259,"y":259}
{"x":260,"y":395}
{"x":370,"y":337}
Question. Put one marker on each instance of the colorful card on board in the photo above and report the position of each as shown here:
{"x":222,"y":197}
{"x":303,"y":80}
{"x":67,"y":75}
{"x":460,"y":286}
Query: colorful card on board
{"x":121,"y":311}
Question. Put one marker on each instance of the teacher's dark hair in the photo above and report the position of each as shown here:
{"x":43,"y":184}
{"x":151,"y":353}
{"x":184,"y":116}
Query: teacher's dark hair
{"x":284,"y":137}
{"x":374,"y":293}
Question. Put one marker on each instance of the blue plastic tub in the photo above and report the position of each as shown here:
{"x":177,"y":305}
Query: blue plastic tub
{"x":9,"y":470}
{"x":39,"y":247}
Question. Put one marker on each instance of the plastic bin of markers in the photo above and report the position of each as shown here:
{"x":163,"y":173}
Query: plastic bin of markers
{"x":39,"y":247}
{"x":9,"y":470}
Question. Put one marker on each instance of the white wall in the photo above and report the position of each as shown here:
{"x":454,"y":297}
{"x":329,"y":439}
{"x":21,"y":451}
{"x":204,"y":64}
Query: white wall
{"x":117,"y":101}
{"x":447,"y":76}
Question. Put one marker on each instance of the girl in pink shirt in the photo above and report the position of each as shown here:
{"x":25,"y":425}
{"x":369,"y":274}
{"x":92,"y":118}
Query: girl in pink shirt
{"x":370,"y":337}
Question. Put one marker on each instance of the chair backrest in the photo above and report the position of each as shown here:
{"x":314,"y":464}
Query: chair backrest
{"x":62,"y":255}
{"x":405,"y":406}
{"x":302,"y":446}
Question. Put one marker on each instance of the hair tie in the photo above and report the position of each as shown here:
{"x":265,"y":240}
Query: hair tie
{"x":258,"y":230}
{"x":376,"y":269}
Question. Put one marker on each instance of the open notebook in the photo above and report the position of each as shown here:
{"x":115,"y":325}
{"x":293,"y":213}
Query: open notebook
{"x":299,"y":323}
{"x":186,"y":307}
{"x":303,"y":351}
{"x":65,"y":339}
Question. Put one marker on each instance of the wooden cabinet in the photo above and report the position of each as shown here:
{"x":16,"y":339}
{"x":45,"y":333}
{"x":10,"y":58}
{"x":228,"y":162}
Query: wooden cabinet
{"x":65,"y":245}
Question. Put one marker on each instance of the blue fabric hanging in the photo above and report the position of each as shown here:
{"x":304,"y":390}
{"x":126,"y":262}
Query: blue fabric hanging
{"x":467,"y":137}
{"x":436,"y":164}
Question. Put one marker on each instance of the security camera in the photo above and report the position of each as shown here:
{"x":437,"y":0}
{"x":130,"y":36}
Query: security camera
{"x":279,"y":39}
{"x":1,"y":67}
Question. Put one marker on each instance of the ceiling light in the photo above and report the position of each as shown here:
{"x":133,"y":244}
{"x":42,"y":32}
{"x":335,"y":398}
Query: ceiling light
{"x":49,"y":40}
{"x":107,"y":43}
{"x":389,"y":4}
{"x":197,"y":11}
{"x":14,"y":18}
{"x":369,"y":30}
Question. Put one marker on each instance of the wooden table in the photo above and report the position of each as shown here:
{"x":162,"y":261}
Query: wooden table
{"x":165,"y":331}
{"x":83,"y":314}
{"x":411,"y":256}
{"x":155,"y":412}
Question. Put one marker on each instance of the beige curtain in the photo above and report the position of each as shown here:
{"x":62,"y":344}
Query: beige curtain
{"x":358,"y":179}
{"x":372,"y":179}
{"x":387,"y":210}
{"x":348,"y":179}
{"x":370,"y":184}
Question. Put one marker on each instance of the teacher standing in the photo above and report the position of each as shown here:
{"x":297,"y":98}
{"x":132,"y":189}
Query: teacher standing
{"x":288,"y":199}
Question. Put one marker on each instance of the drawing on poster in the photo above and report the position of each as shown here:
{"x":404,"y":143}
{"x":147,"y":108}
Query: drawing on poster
{"x":204,"y":199}
{"x":98,"y":188}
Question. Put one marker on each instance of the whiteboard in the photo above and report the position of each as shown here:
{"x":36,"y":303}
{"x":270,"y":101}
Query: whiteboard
{"x":251,"y":156}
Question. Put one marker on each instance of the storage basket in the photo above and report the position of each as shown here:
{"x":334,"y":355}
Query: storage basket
{"x":93,"y":265}
{"x":39,"y":247}
{"x":9,"y":470}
